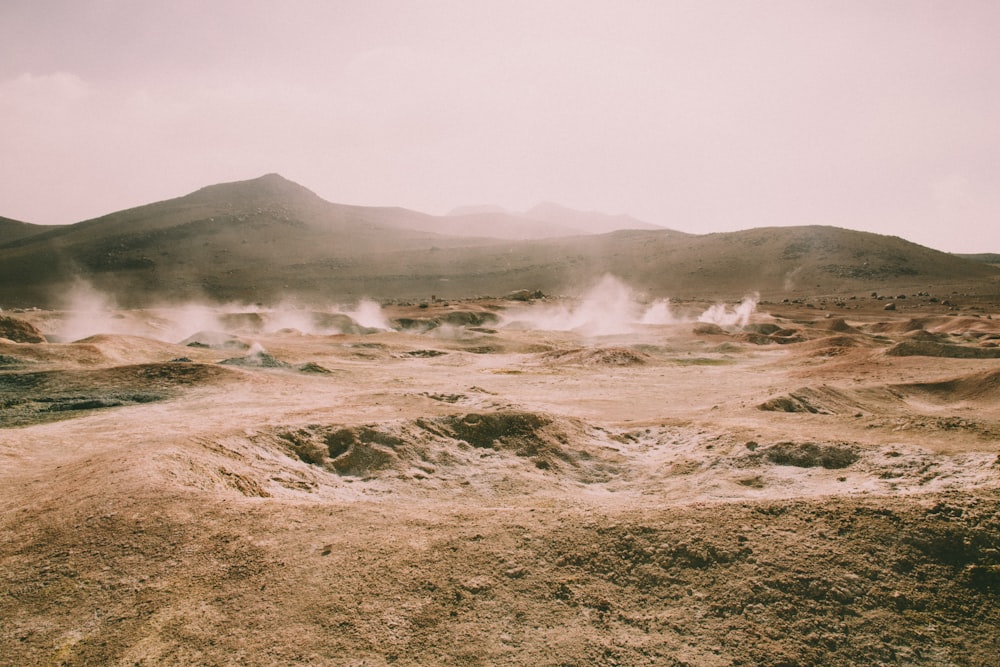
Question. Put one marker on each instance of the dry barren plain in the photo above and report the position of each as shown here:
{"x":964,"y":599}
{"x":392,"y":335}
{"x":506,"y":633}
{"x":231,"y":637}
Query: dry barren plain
{"x":499,"y":482}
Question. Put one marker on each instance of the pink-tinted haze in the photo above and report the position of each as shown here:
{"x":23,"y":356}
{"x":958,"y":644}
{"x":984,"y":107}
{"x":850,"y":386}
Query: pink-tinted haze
{"x":701,"y":116}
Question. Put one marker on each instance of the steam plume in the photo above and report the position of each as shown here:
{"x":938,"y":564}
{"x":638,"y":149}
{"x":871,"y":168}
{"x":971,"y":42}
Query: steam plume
{"x":725,"y":317}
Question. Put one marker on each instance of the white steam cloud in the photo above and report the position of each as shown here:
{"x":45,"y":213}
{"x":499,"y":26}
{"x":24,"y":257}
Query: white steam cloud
{"x":369,"y":314}
{"x":612,"y":307}
{"x":88,"y":312}
{"x":659,"y":313}
{"x":727,"y":317}
{"x":607,"y":308}
{"x":256,"y":350}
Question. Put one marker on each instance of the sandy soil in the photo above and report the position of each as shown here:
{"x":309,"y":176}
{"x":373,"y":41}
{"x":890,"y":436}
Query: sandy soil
{"x":819,"y":486}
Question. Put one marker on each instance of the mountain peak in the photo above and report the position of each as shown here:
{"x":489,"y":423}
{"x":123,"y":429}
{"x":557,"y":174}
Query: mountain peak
{"x":269,"y":187}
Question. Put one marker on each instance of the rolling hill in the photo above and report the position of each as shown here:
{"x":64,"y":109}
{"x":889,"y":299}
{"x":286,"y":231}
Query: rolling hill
{"x":12,"y":230}
{"x":269,"y":239}
{"x":986,"y":257}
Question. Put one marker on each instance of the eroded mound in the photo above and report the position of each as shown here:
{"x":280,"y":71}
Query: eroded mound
{"x":339,"y":323}
{"x":19,"y":331}
{"x":216,"y":340}
{"x":469,"y":318}
{"x":809,"y":455}
{"x":447,"y":443}
{"x":256,"y":359}
{"x":823,"y":400}
{"x":983,"y":386}
{"x":901,"y":326}
{"x":941,"y":324}
{"x":838,"y":325}
{"x":923,"y":348}
{"x":598,"y":356}
{"x":122,"y":349}
{"x":831,"y":346}
{"x":454,"y":318}
{"x":525,"y":434}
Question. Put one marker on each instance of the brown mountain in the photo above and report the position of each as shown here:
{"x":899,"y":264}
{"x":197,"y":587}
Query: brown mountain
{"x":229,"y":241}
{"x":268,"y":238}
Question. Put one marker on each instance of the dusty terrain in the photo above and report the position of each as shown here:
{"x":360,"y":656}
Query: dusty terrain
{"x":494,"y":482}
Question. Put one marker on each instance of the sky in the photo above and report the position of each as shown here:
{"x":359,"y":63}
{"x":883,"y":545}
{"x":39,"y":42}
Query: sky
{"x":702,"y":115}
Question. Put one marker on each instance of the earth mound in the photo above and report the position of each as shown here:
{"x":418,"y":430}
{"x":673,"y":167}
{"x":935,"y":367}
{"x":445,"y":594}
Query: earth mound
{"x":925,"y":348}
{"x":838,"y":325}
{"x":922,"y":335}
{"x":831,"y":346}
{"x":598,"y":356}
{"x":809,"y":455}
{"x":124,"y":350}
{"x":257,"y":358}
{"x":19,"y":330}
{"x":216,"y":340}
{"x":900,"y":326}
{"x":471,"y":319}
{"x":984,"y":386}
{"x":821,"y":400}
{"x":441,"y":444}
{"x":361,"y":451}
{"x":525,"y":434}
{"x":340,"y":323}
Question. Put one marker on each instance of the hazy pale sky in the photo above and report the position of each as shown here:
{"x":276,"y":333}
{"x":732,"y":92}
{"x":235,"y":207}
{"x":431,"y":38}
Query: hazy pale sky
{"x":702,"y":116}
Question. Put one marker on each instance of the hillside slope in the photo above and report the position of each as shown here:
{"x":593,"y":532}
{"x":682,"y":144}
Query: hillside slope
{"x":269,"y":239}
{"x":233,"y":240}
{"x":13,"y":230}
{"x":777,"y":262}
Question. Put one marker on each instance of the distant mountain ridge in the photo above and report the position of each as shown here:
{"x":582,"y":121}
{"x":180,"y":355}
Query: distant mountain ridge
{"x":544,"y":220}
{"x":269,"y":239}
{"x":588,"y":222}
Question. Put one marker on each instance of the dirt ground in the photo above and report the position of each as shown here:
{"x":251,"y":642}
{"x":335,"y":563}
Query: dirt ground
{"x":818,"y":484}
